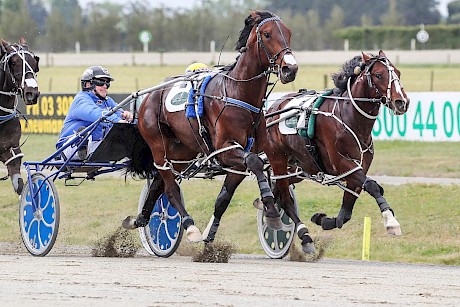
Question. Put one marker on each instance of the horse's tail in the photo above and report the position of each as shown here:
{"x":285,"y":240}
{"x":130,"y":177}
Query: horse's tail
{"x":141,"y":160}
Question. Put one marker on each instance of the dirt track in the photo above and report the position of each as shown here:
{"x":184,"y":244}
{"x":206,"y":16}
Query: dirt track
{"x":75,"y":278}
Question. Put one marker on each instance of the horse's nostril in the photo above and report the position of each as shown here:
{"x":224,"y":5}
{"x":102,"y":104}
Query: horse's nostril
{"x":289,"y":72}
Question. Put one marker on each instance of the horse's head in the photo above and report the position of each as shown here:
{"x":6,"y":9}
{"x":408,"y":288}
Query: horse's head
{"x":22,"y":66}
{"x":272,"y":40}
{"x":382,"y":75}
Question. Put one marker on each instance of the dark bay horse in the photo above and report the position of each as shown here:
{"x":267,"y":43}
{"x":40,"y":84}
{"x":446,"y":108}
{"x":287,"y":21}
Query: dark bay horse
{"x":337,"y":147}
{"x":18,"y":68}
{"x":232,"y":117}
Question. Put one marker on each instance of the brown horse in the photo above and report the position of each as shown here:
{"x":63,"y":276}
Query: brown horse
{"x":18,"y":68}
{"x":232,"y":116}
{"x":338,"y":149}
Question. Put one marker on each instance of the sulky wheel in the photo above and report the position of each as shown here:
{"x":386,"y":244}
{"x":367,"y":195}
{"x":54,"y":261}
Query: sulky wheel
{"x":39,"y":220}
{"x":161,"y":237}
{"x":276,"y":243}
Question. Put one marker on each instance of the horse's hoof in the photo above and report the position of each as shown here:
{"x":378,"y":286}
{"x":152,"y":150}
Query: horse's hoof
{"x":258,"y":204}
{"x":391,"y":224}
{"x":194,"y":234}
{"x":317,"y":218}
{"x":308,"y":248}
{"x":128,"y":223}
{"x":274,"y":223}
{"x":394,"y":231}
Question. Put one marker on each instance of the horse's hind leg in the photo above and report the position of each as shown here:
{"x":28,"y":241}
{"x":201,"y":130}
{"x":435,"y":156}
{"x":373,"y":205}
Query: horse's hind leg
{"x":375,"y":190}
{"x":156,"y":188}
{"x":287,"y":203}
{"x":232,"y":181}
{"x":172,"y":191}
{"x":256,"y":165}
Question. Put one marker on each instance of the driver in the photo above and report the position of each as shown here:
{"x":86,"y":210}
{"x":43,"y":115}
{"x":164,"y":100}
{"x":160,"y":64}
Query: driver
{"x":197,"y":67}
{"x":87,"y":107}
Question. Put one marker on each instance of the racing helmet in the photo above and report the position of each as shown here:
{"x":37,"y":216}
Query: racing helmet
{"x":196,"y":67}
{"x":91,"y":73}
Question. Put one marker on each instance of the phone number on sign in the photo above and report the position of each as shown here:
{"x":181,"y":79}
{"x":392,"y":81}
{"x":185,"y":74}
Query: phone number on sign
{"x":431,"y":117}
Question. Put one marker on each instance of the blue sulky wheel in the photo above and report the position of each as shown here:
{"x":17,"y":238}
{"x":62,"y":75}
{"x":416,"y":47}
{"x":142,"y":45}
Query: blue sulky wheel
{"x":276,"y":243}
{"x":162,"y":236}
{"x":39,"y":222}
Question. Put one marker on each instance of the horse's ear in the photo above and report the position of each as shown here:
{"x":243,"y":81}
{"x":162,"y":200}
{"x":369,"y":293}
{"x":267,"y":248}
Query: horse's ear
{"x":382,"y":54}
{"x":22,"y":41}
{"x":3,"y":45}
{"x":255,"y":17}
{"x":365,"y":56}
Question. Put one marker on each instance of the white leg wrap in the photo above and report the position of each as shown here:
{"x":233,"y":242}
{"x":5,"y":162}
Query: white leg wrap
{"x":208,"y":228}
{"x":300,"y":226}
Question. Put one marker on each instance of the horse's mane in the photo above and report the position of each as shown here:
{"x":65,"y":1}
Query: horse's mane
{"x":340,"y":78}
{"x":249,"y":22}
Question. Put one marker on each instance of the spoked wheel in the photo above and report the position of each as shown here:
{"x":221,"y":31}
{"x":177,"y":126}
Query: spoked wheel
{"x":162,"y":236}
{"x":276,"y":243}
{"x":39,"y":222}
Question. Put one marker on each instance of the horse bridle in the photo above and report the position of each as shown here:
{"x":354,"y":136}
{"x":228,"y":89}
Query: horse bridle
{"x":260,"y":42}
{"x":26,"y":68}
{"x":17,"y":90}
{"x":384,"y":99}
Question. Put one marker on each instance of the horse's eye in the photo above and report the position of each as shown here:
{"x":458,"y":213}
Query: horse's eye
{"x":378,"y":76}
{"x":267,"y":35}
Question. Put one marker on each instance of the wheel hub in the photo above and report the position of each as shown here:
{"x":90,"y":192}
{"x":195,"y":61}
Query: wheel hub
{"x":38,"y":214}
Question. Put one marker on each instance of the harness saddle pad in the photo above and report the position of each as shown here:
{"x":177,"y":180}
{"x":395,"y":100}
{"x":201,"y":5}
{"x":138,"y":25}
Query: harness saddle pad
{"x":289,"y":124}
{"x":179,"y":92}
{"x":296,"y":121}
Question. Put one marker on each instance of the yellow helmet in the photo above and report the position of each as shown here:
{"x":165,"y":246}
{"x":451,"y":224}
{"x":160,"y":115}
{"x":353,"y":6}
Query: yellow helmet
{"x":196,"y":67}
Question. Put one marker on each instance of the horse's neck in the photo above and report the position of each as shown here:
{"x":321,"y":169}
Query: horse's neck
{"x":245,"y":69}
{"x":352,"y":117}
{"x":6,"y":101}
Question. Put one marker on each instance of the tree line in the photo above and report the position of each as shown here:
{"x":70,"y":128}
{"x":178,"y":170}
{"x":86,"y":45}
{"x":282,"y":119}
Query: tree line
{"x":60,"y":25}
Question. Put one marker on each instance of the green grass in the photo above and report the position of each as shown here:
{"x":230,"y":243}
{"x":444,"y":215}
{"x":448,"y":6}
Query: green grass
{"x":426,"y":213}
{"x":132,"y":78}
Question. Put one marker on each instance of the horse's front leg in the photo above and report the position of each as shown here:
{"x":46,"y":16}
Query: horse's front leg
{"x":354,"y":184}
{"x":375,"y":190}
{"x":232,"y":181}
{"x":256,"y":165}
{"x":345,"y":213}
{"x":12,"y":159}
